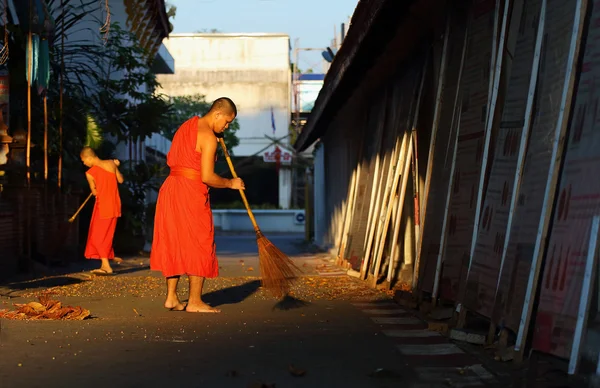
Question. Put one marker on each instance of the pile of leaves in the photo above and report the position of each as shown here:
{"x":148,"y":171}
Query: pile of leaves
{"x":46,"y":308}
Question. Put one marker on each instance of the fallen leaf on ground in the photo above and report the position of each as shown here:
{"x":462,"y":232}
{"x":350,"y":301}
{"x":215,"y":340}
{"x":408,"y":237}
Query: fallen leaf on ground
{"x":46,"y":308}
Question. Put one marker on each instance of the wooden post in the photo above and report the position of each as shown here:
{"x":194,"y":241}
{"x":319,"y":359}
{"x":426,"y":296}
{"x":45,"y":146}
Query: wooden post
{"x":29,"y":79}
{"x":535,"y":67}
{"x":430,"y":158}
{"x":591,"y":264}
{"x":488,"y":132}
{"x":555,"y":161}
{"x":455,"y":119}
{"x":60,"y":124}
{"x":374,"y":203}
{"x":404,"y":173}
{"x":438,"y":266}
{"x":350,"y":201}
{"x":376,"y":228}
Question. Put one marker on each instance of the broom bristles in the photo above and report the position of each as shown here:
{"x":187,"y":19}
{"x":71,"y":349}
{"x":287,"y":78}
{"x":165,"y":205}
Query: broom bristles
{"x":278,"y":272}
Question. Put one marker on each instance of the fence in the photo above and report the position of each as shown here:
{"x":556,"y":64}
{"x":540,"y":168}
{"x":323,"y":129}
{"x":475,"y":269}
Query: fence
{"x":33,"y":226}
{"x":497,"y":218}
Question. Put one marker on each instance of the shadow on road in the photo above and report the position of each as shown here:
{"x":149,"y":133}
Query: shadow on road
{"x":290,"y":303}
{"x":50,"y":282}
{"x":231,"y":295}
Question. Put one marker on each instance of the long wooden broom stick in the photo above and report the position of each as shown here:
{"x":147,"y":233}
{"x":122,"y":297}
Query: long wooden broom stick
{"x":277,"y":270}
{"x":80,"y":208}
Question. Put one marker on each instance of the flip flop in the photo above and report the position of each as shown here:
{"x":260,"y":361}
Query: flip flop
{"x":101,"y":272}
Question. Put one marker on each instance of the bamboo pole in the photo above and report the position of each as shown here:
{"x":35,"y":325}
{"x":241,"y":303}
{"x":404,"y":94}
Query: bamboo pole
{"x":488,"y":137}
{"x":379,"y":205}
{"x":404,"y":173}
{"x":444,"y":234}
{"x":45,"y":139}
{"x":552,"y":179}
{"x":60,"y":104}
{"x":373,"y":201}
{"x":528,"y":117}
{"x":455,"y":120}
{"x":395,"y":251}
{"x":347,"y":215}
{"x":29,"y":76}
{"x":28,"y":149}
{"x":432,"y":144}
{"x":415,"y":120}
{"x":587,"y":288}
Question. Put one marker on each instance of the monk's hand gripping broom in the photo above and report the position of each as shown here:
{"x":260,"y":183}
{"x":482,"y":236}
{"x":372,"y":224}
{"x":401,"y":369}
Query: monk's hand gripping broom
{"x":277,"y":270}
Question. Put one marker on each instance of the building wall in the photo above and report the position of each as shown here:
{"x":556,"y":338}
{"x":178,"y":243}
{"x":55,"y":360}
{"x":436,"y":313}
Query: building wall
{"x":253,"y":70}
{"x":88,"y":30}
{"x":505,"y":219}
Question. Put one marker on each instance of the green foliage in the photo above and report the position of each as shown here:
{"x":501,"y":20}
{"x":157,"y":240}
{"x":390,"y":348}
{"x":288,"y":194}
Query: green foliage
{"x":171,"y":12}
{"x":127,"y":103}
{"x":110,"y":83}
{"x":139,"y":179}
{"x":184,"y":107}
{"x":93,"y":134}
{"x":108,"y":92}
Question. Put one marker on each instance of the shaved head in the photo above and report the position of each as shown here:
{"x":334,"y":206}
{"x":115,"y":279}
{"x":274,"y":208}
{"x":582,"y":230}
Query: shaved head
{"x":87,"y":152}
{"x":224,"y":105}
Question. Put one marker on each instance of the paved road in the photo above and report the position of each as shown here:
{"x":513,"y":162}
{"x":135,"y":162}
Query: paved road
{"x":323,"y":338}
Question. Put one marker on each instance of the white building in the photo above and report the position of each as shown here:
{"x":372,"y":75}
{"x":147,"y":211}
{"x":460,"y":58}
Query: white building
{"x":251,"y":69}
{"x":147,"y":19}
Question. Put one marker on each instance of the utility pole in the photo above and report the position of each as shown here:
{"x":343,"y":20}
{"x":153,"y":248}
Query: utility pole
{"x":297,"y":187}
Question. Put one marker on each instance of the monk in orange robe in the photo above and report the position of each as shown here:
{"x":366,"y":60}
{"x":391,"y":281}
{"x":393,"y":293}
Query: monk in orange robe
{"x":183,"y":242}
{"x":102,"y":177}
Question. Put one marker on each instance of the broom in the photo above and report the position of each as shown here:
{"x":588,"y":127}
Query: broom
{"x":64,"y":229}
{"x":277,"y":270}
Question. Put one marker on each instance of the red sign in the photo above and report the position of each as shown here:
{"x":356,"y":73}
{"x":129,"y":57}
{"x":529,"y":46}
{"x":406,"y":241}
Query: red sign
{"x":284,"y":157}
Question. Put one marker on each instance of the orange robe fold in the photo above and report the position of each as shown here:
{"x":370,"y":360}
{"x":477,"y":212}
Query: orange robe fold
{"x":183,"y":242}
{"x":104,"y":217}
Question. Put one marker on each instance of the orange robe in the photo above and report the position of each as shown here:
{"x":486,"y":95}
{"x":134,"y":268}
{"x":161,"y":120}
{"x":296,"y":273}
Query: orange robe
{"x":104,"y":217}
{"x":183,"y":242}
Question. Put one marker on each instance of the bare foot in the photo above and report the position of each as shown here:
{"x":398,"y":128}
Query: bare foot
{"x":118,"y":260}
{"x":177,"y":306}
{"x":201,"y":308}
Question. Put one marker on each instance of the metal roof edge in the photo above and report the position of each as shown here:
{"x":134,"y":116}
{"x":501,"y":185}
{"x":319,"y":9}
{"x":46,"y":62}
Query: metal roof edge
{"x":228,"y":35}
{"x":365,"y":13}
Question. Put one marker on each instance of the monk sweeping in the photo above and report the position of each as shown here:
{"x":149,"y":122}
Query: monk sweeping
{"x":102,"y":177}
{"x":183,"y":242}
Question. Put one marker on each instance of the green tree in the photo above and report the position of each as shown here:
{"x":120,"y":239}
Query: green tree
{"x":171,"y":12}
{"x":184,"y":107}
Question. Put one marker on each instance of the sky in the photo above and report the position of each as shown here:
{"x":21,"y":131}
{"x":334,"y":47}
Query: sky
{"x":312,"y":22}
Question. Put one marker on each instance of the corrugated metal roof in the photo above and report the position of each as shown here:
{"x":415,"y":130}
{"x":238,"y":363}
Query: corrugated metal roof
{"x":376,"y":26}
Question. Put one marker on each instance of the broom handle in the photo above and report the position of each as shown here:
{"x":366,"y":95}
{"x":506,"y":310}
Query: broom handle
{"x":80,"y":207}
{"x":228,"y":158}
